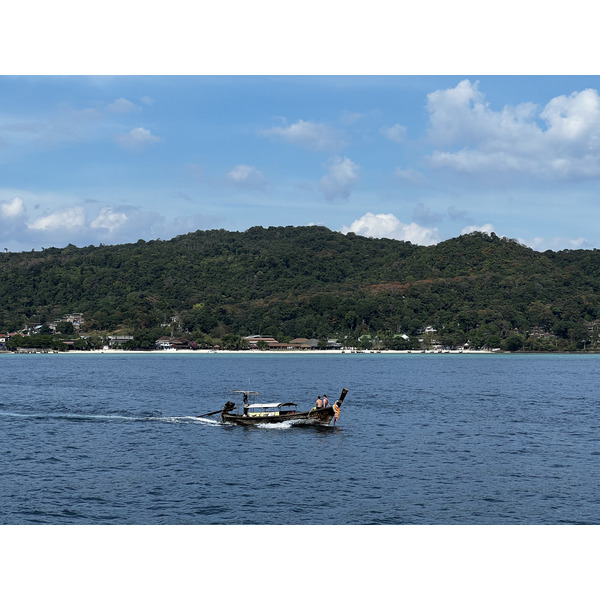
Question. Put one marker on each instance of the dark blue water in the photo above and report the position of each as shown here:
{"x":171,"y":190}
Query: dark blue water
{"x":422,"y":439}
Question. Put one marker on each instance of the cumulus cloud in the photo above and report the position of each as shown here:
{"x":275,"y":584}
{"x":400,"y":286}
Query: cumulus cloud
{"x":316,"y":137}
{"x":487,"y":228}
{"x":247,"y":176}
{"x":389,"y":226}
{"x":557,"y":141}
{"x":122,"y":105}
{"x":13,"y":218}
{"x":109,"y":219}
{"x":12,"y":209}
{"x":395,"y":133}
{"x":70,"y":218}
{"x":72,"y":224}
{"x":341,"y":178}
{"x":89,"y":224}
{"x":557,"y":243}
{"x":137,"y":139}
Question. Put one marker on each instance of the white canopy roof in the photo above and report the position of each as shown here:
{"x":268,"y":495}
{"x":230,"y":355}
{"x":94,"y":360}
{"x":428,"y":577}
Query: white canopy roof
{"x":274,"y":405}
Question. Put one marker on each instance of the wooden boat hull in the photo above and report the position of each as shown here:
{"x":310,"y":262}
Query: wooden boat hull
{"x":319,"y":416}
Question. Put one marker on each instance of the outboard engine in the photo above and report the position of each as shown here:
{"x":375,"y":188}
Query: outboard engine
{"x":229,"y":406}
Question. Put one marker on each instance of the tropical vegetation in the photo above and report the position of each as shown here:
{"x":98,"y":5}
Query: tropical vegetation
{"x":216,"y":287}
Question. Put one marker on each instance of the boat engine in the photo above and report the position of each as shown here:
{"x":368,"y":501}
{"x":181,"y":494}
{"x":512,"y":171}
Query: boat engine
{"x":229,"y":406}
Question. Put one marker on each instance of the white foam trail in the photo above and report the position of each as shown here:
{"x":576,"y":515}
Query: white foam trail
{"x":199,"y":420}
{"x":80,"y":417}
{"x":70,"y":416}
{"x":284,"y":425}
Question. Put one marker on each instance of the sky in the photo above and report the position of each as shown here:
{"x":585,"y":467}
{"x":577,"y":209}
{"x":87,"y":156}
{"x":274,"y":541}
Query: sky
{"x":118,"y":125}
{"x":113,"y":159}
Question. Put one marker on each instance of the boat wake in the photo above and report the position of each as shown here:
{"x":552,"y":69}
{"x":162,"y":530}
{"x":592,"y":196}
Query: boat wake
{"x":197,"y":420}
{"x":91,"y":417}
{"x":285,"y":425}
{"x":151,"y":417}
{"x":289,"y":424}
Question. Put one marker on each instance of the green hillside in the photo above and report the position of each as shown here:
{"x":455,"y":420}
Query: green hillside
{"x":292,"y":282}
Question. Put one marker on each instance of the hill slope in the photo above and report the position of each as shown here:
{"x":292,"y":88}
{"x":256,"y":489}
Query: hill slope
{"x":310,"y":282}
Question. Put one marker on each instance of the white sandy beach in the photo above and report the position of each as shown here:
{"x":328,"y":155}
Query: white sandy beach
{"x":270,"y":352}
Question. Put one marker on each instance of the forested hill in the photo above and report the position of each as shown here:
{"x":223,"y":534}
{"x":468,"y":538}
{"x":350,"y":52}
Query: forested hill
{"x":309,"y":282}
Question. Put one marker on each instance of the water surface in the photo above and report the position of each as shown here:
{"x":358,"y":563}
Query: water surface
{"x":422,"y":439}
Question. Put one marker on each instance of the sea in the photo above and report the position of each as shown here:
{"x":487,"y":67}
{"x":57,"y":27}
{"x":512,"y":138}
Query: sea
{"x":418,"y":491}
{"x":422,"y":439}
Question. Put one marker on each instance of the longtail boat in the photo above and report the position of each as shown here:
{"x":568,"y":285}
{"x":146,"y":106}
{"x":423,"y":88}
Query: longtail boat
{"x":280,"y":412}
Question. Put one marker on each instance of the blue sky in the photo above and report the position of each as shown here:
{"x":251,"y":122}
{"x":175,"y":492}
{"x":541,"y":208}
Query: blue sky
{"x":112,"y":159}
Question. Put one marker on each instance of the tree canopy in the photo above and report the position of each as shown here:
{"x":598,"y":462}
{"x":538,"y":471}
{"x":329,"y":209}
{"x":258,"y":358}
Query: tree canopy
{"x":311,"y":282}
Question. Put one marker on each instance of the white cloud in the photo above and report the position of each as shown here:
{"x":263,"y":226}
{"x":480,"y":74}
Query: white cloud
{"x":316,"y":137}
{"x":12,"y":209}
{"x":395,"y":133}
{"x":557,"y":243}
{"x":122,"y":105}
{"x":559,"y":141}
{"x":147,"y":100}
{"x":342,"y":176}
{"x":70,"y":218}
{"x":137,"y":139}
{"x":247,"y":176}
{"x":574,"y":118}
{"x":487,"y":228}
{"x":109,"y":219}
{"x":389,"y":226}
{"x":84,"y":224}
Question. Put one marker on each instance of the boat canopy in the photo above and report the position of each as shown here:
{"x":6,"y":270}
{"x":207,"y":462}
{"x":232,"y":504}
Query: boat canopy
{"x":274,"y":405}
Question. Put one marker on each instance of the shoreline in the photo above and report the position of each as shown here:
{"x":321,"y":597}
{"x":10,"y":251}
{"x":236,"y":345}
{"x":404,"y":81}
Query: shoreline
{"x":256,"y":352}
{"x":113,"y":351}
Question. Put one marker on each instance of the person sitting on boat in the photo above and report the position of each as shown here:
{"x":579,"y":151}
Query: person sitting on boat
{"x":325,"y":401}
{"x":319,"y":402}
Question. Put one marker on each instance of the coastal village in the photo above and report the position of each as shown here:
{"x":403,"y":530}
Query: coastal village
{"x":71,"y":324}
{"x":65,"y":334}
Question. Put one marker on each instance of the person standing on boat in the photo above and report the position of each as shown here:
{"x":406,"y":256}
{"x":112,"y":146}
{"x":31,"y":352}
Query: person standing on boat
{"x":336,"y":413}
{"x":325,"y":401}
{"x":245,"y":405}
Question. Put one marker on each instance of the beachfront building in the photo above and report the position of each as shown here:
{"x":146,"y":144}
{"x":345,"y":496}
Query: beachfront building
{"x":116,"y":341}
{"x":304,"y":344}
{"x":257,"y":342}
{"x":171,"y":343}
